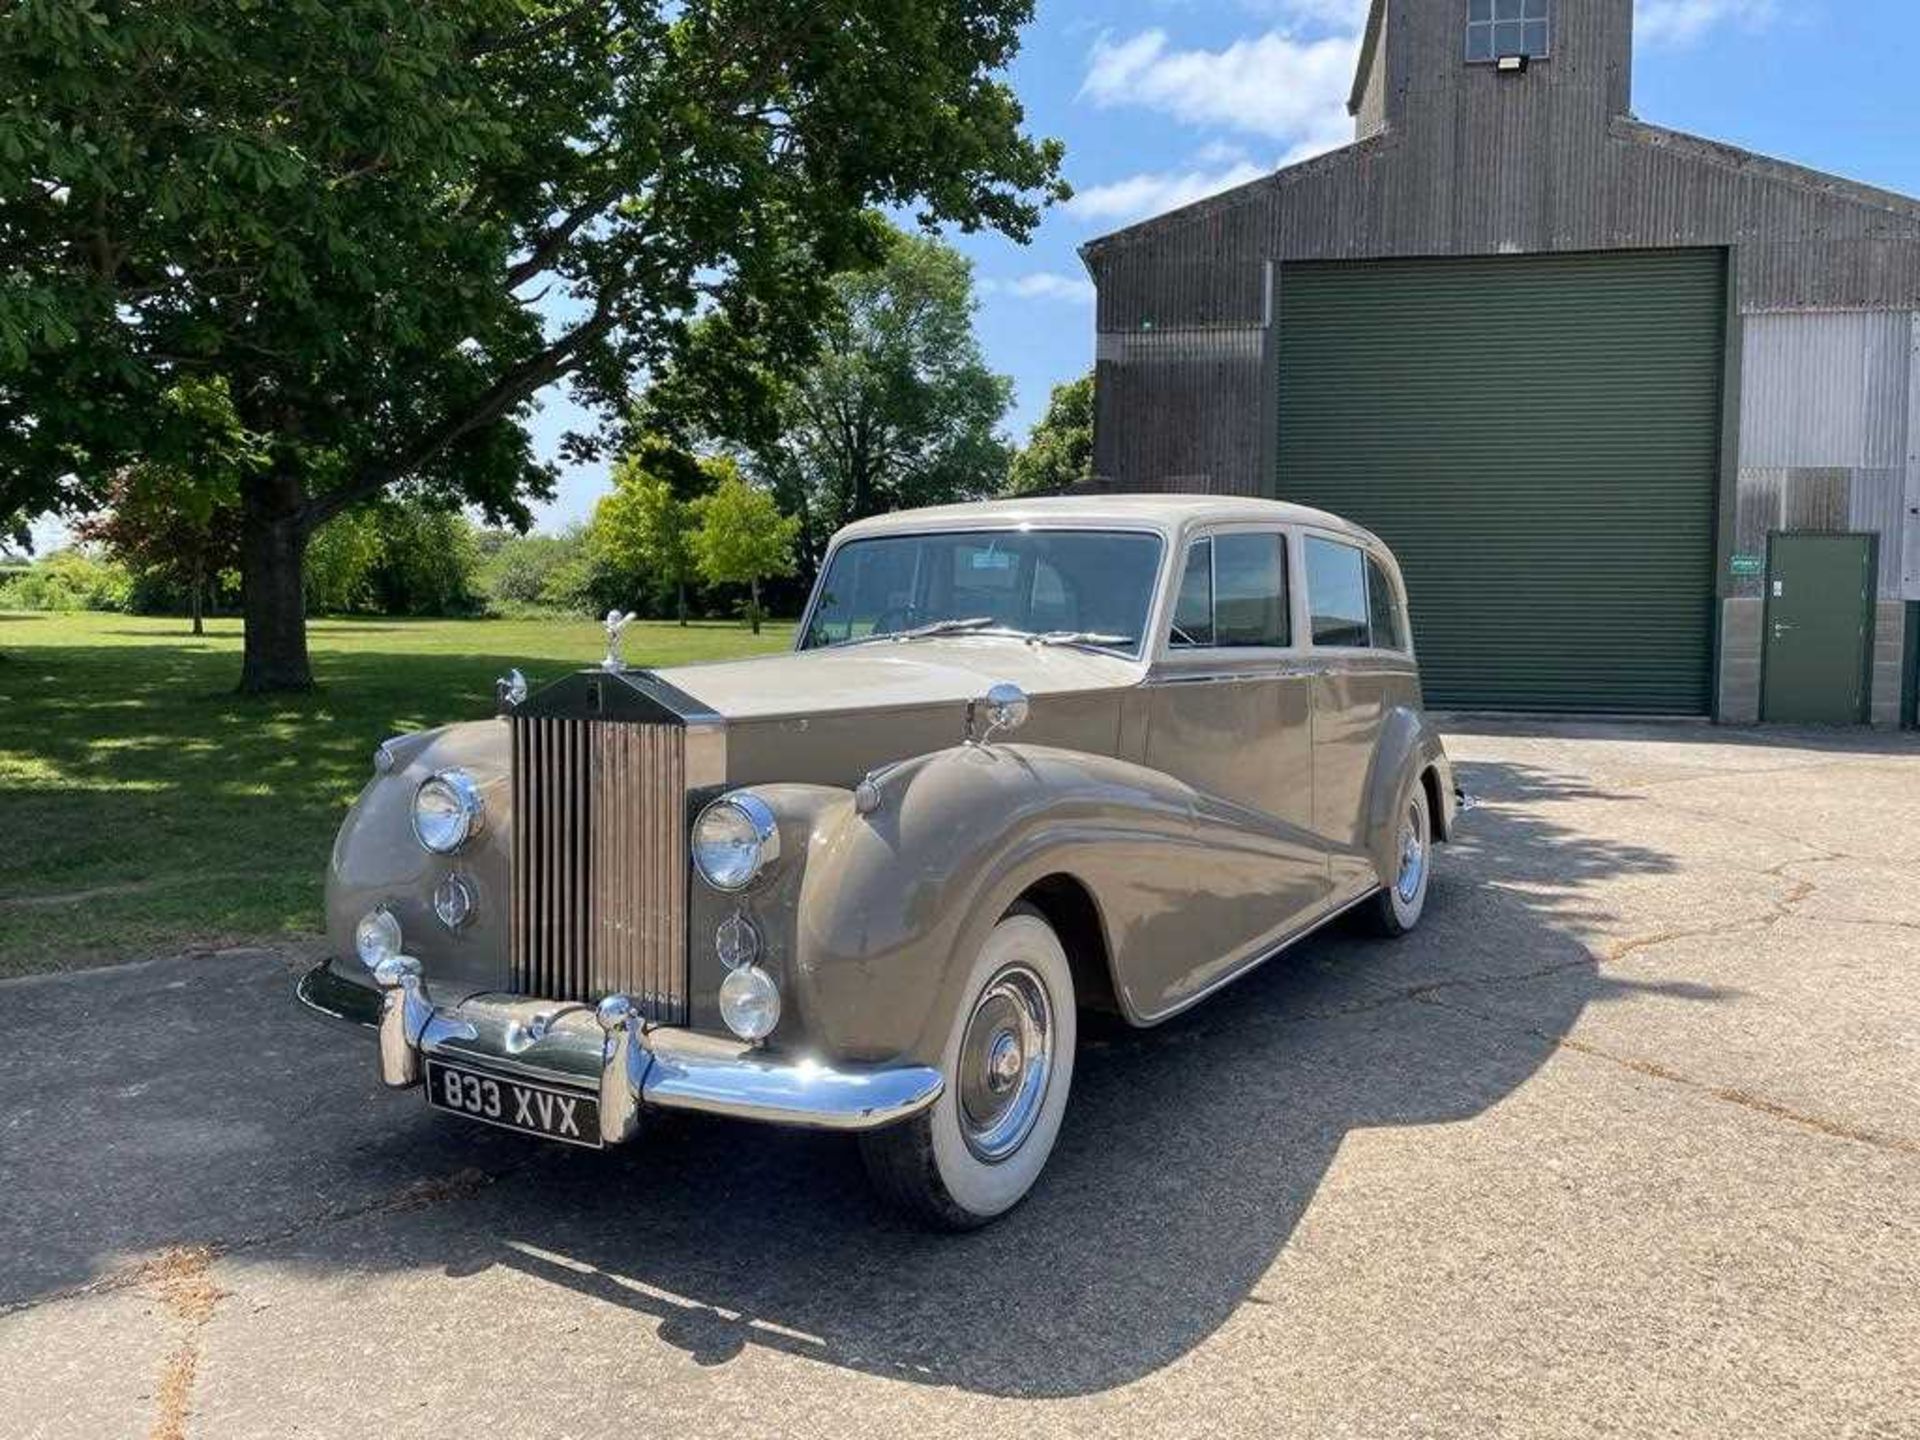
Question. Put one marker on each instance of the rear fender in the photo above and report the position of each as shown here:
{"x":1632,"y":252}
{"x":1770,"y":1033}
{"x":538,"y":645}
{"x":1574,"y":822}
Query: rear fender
{"x":1408,"y":748}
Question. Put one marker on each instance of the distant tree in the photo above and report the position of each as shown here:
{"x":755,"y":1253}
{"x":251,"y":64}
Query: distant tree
{"x":177,"y":520}
{"x":389,"y":226}
{"x":519,"y":570}
{"x":742,"y":538}
{"x":427,"y":561}
{"x":165,"y":527}
{"x":397,"y":557}
{"x":641,"y":536}
{"x":896,"y":408}
{"x":1059,"y":450}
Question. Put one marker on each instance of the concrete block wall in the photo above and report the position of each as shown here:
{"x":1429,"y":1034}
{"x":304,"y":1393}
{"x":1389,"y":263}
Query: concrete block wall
{"x":1740,"y":626}
{"x":1889,"y":664}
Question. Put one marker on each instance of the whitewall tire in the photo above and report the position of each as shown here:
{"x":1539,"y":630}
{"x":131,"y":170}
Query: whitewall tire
{"x":976,"y":1152}
{"x":1398,"y":907}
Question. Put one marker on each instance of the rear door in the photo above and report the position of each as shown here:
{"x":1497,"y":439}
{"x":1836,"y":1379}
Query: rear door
{"x":1362,"y":667}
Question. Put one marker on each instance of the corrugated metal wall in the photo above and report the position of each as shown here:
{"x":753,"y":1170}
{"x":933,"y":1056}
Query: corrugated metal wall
{"x":1828,"y":437}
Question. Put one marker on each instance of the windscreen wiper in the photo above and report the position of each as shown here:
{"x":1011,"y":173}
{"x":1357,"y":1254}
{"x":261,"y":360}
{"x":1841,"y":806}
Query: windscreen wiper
{"x":1084,"y":639}
{"x":923,"y":632}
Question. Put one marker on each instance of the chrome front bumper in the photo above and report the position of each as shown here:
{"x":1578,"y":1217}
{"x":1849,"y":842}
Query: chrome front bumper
{"x":610,"y":1053}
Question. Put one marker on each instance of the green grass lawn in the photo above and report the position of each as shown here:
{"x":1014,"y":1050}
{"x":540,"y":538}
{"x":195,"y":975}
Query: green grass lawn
{"x":145,"y":808}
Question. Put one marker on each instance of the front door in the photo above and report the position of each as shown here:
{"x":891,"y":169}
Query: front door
{"x":1819,"y":628}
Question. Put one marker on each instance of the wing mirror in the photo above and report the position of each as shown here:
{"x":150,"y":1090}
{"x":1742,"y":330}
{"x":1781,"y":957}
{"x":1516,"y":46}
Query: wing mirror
{"x":1002,"y":710}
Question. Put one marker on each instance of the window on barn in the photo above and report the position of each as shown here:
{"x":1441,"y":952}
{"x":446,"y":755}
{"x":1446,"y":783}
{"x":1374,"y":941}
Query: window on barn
{"x":1498,"y":28}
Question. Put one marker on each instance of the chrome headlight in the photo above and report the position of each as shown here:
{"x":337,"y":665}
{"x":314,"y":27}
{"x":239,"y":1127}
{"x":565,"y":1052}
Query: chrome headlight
{"x":447,"y":811}
{"x":734,"y":841}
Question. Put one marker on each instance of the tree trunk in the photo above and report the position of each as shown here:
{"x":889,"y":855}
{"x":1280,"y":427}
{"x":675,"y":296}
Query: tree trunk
{"x":196,"y":588}
{"x":273,"y":547}
{"x":680,"y":602}
{"x":753,"y":605}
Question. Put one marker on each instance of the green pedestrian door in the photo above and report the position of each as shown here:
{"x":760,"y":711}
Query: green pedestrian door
{"x":1819,"y":628}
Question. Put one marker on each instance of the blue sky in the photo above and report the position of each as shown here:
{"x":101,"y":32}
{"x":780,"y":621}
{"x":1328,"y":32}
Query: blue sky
{"x":1164,"y":101}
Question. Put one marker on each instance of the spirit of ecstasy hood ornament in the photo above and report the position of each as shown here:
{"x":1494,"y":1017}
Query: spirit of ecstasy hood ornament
{"x":617,"y":624}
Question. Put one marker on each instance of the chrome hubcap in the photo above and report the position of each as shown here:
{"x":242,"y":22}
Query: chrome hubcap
{"x":1413,"y":856}
{"x":1006,"y":1056}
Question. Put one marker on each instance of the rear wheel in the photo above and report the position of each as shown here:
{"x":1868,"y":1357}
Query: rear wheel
{"x":1397,"y":909}
{"x":976,"y":1152}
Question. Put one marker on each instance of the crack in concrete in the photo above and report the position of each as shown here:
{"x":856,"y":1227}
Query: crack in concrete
{"x":1759,"y":1104}
{"x":421,"y":1194}
{"x":190,"y":1297}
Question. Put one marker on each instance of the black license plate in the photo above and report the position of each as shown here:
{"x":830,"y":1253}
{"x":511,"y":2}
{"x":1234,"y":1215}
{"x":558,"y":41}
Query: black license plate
{"x":515,"y":1104}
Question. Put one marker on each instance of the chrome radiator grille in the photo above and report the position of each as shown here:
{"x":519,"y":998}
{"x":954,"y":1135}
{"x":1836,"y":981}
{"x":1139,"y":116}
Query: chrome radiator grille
{"x":599,"y":863}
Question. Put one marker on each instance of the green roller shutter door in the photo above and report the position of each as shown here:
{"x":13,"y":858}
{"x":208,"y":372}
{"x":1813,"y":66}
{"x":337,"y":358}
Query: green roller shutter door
{"x":1538,"y":440}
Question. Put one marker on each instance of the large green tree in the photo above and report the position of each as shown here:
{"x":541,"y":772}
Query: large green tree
{"x":1058,"y":454}
{"x":896,"y":408}
{"x":386,"y":226}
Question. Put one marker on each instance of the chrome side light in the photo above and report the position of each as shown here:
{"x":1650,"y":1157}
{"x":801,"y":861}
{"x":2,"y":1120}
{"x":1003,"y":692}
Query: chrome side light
{"x":447,"y":811}
{"x":734,"y":841}
{"x":455,"y":899}
{"x":736,"y":942}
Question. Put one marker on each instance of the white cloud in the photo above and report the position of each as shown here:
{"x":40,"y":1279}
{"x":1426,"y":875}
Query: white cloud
{"x":1335,"y":14}
{"x":1271,"y":85}
{"x":1681,"y":22}
{"x":1043,"y":285}
{"x":1138,"y":196}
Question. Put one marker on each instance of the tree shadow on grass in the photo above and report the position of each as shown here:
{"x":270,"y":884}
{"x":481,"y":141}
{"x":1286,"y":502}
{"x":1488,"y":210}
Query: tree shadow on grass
{"x":1189,"y":1156}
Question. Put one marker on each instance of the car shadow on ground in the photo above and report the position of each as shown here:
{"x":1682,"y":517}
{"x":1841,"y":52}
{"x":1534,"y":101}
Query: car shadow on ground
{"x":1190,"y":1154}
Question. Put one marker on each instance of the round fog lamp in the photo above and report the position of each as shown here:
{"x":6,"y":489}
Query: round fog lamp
{"x":735,"y":839}
{"x":750,"y":1003}
{"x":376,"y":937}
{"x":446,"y":811}
{"x":454,"y":901}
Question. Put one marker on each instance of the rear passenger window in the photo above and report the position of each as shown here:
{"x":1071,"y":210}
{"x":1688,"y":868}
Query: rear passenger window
{"x":1193,"y":610}
{"x":1250,"y":591}
{"x":1383,"y":606}
{"x":1337,"y":593}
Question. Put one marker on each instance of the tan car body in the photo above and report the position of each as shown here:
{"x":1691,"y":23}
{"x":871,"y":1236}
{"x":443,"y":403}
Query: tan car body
{"x":1179,"y":816}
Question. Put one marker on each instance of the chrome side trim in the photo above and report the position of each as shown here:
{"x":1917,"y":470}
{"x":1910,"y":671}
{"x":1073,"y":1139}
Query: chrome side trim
{"x":1259,"y":958}
{"x":610,"y":1051}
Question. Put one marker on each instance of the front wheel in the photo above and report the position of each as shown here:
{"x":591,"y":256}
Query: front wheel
{"x":1397,"y":908}
{"x":976,"y":1152}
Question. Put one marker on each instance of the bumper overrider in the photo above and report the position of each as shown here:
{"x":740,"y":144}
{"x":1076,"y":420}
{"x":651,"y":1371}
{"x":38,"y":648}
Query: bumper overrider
{"x":607,"y":1053}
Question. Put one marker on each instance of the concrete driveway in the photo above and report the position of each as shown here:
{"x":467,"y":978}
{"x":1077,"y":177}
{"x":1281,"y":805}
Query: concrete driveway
{"x":1625,"y":1140}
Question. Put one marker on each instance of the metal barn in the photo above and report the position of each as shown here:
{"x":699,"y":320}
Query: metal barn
{"x":1640,"y":412}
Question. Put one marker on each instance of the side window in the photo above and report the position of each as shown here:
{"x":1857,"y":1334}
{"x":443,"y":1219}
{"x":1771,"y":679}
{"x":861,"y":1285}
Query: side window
{"x":1383,"y":607}
{"x":1250,"y":582}
{"x":1337,"y":593}
{"x":1193,"y":609}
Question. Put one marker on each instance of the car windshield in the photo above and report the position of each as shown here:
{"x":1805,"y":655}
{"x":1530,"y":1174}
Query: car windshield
{"x":1081,"y":587}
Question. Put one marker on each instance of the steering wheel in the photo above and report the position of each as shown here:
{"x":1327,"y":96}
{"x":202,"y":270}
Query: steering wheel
{"x":894,"y":619}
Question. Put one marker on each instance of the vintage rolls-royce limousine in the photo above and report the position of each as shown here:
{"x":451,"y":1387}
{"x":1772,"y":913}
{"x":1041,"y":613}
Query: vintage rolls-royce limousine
{"x":1025,"y":758}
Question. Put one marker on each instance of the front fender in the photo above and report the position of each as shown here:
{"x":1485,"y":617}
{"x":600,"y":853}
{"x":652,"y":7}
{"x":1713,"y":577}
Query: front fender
{"x":893,"y":904}
{"x":377,"y":861}
{"x":1409,"y":746}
